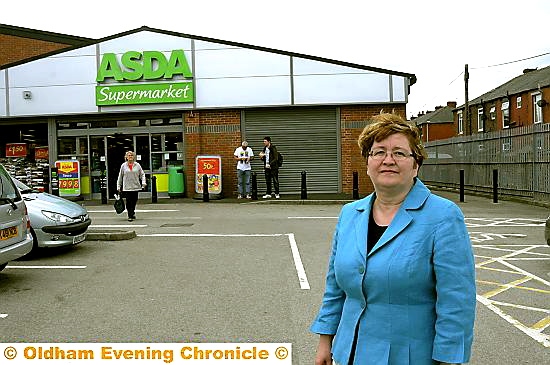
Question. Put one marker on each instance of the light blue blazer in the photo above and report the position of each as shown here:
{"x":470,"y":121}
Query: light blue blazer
{"x":413,"y":298}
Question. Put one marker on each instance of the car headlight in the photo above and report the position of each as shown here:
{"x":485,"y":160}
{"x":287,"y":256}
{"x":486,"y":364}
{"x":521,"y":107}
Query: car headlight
{"x":58,"y":217}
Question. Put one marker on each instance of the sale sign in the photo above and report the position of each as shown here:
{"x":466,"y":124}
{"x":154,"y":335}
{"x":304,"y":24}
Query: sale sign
{"x":210,"y":166}
{"x":16,"y":149}
{"x":41,"y":153}
{"x":69,"y":177}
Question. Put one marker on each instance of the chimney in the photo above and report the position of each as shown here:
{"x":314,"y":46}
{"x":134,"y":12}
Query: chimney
{"x":451,"y":104}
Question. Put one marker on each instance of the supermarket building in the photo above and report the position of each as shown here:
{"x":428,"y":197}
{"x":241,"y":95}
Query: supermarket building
{"x":174,"y":98}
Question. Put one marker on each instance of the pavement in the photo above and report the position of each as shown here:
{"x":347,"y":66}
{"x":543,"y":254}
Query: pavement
{"x":472,"y":201}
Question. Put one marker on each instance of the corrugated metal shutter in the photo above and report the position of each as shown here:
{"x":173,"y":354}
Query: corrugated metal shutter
{"x":308,"y":139}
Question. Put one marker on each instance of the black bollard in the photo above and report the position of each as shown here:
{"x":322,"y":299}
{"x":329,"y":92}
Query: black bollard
{"x":495,"y":186}
{"x":154,"y":189}
{"x":303,"y":191}
{"x":205,"y":194}
{"x":103,"y":188}
{"x":254,"y":187}
{"x":54,"y":181}
{"x":462,"y":186}
{"x":355,"y":185}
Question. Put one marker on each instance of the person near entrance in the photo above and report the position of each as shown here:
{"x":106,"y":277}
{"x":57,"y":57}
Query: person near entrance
{"x":243,"y":155}
{"x":400,"y":285}
{"x":270,"y":157}
{"x":131,"y":179}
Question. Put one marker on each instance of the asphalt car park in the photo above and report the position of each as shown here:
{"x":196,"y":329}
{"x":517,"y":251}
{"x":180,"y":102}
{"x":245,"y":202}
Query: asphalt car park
{"x":254,"y":272}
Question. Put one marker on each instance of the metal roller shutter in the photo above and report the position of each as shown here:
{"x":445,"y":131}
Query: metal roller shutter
{"x":308,"y":139}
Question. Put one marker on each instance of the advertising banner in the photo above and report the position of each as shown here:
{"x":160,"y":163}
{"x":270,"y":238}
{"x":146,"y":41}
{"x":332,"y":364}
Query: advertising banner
{"x":69,"y":177}
{"x":212,"y":167}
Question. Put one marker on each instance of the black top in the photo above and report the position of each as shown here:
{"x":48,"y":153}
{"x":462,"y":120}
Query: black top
{"x":375,"y":232}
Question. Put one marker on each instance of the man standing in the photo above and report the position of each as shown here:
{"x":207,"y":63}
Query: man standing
{"x":270,"y":157}
{"x":243,"y":155}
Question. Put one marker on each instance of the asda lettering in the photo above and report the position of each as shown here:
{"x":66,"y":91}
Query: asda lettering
{"x":149,"y":65}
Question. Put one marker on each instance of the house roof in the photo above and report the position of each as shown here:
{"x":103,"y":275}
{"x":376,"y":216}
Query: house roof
{"x":442,"y":114}
{"x":411,"y":77}
{"x":530,"y":80}
{"x":42,"y":35}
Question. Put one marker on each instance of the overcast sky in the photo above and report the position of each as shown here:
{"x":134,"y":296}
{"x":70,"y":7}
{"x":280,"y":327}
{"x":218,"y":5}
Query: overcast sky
{"x":432,"y":39}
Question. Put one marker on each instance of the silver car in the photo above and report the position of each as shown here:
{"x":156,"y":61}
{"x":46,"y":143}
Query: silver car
{"x":55,"y":221}
{"x":15,"y":236}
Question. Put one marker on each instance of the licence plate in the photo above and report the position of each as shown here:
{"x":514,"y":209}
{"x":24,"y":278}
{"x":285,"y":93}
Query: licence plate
{"x":79,"y":238}
{"x":7,"y":233}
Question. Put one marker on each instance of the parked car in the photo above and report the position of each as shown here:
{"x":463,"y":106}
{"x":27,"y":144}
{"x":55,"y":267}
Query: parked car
{"x":15,"y":229}
{"x":547,"y":231}
{"x":55,"y":221}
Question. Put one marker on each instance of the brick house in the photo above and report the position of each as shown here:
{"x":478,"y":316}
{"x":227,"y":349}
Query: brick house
{"x":437,"y":124}
{"x":519,"y":102}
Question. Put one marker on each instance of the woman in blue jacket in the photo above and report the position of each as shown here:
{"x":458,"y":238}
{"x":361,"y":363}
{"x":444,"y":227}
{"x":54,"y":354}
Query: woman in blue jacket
{"x":400,"y":287}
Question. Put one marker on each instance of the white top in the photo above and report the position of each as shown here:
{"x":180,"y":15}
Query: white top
{"x":244,"y":156}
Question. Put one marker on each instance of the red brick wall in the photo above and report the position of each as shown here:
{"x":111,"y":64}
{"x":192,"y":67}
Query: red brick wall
{"x":212,"y":143}
{"x":350,"y":154}
{"x":18,"y":48}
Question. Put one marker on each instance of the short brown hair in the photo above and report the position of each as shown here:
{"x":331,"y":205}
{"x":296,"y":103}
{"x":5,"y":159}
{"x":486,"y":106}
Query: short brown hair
{"x":384,"y":125}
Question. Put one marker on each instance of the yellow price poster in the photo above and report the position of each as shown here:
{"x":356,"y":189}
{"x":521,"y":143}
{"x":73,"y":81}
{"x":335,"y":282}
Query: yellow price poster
{"x":69,"y":177}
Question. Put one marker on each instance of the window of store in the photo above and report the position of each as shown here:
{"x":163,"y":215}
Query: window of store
{"x":166,"y":150}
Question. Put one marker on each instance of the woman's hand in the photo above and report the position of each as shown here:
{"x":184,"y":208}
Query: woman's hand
{"x":324,"y":350}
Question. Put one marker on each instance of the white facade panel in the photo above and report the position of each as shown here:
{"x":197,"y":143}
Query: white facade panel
{"x":302,"y":66}
{"x":146,"y":41}
{"x":333,"y":89}
{"x":53,"y":100}
{"x":3,"y":101}
{"x":239,"y":62}
{"x":83,"y":51}
{"x":399,"y":87}
{"x":54,"y":71}
{"x":203,"y":45}
{"x":243,"y":92}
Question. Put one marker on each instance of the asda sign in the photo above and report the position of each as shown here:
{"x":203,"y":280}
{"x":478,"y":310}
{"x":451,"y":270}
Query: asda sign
{"x":134,"y":76}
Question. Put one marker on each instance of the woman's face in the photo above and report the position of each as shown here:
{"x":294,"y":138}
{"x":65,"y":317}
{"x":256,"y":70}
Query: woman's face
{"x":130,"y":157}
{"x":385,"y":170}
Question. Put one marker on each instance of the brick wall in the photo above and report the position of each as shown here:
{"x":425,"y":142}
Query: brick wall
{"x":353,"y":119}
{"x":19,"y":48}
{"x":212,"y":132}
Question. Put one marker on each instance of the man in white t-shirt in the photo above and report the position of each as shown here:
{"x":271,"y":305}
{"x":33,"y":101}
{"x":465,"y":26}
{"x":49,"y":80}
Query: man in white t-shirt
{"x":243,"y":155}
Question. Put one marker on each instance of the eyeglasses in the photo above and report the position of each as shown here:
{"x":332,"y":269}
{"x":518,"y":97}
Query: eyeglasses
{"x":397,"y":155}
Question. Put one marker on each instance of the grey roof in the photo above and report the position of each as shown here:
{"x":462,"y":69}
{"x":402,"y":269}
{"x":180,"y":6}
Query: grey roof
{"x":528,"y":81}
{"x":440,"y":115}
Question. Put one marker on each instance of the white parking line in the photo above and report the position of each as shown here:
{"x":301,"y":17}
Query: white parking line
{"x":137,"y":211}
{"x":302,"y":277}
{"x":43,"y":267}
{"x":118,"y":225}
{"x":312,"y":217}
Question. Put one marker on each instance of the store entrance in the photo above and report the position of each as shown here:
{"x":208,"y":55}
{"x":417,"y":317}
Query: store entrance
{"x":117,"y":146}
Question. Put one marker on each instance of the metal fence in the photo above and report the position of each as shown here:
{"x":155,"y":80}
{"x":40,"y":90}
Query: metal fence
{"x":521,"y":157}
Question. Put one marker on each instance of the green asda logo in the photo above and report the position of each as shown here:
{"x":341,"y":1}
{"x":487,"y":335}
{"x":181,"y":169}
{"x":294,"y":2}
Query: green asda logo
{"x":149,"y":65}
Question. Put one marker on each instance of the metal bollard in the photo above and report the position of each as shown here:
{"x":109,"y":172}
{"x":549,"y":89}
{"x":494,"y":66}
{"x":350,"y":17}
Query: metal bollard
{"x":154,"y":196}
{"x":495,"y":186}
{"x":205,"y":194}
{"x":355,"y":185}
{"x":462,"y":186}
{"x":303,"y":191}
{"x":254,"y":188}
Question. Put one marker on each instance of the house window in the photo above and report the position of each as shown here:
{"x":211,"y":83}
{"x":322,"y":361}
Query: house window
{"x":492,"y":113}
{"x":460,"y":123}
{"x":537,"y":109}
{"x":505,"y":114}
{"x":518,"y":102}
{"x":480,"y":118}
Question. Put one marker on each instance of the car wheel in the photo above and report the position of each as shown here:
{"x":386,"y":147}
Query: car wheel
{"x":3,"y":266}
{"x":34,"y":248}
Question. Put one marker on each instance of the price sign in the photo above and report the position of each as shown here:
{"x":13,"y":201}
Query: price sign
{"x":16,"y":149}
{"x":210,"y":166}
{"x":69,"y":177}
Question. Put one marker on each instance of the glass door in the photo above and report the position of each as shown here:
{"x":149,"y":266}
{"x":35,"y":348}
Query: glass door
{"x":117,"y":146}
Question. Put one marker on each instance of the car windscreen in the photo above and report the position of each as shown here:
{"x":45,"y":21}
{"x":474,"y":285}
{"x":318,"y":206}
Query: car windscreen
{"x":24,"y":189}
{"x":8,"y":191}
